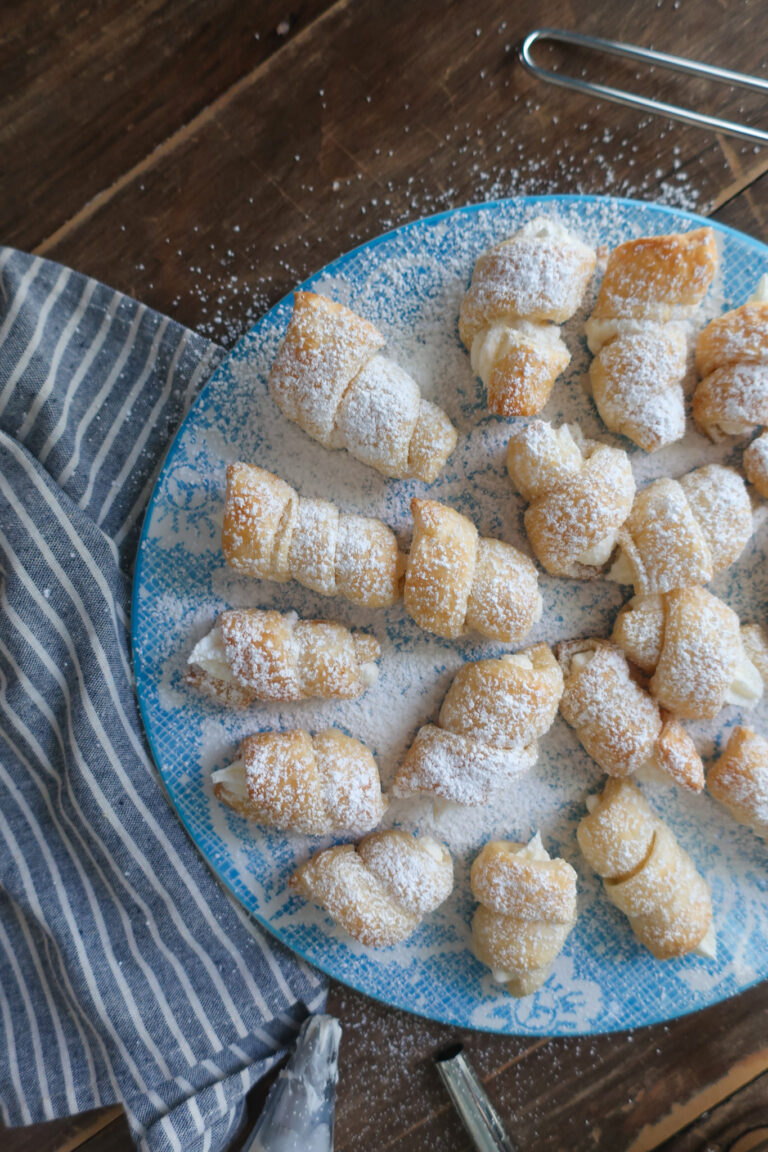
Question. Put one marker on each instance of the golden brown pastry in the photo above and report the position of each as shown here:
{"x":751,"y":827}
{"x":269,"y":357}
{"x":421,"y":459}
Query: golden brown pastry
{"x":457,"y":581}
{"x":485,"y":737}
{"x":319,"y":785}
{"x":638,"y":333}
{"x":251,"y":654}
{"x":580,"y":493}
{"x":646,"y":873}
{"x":739,"y":779}
{"x":692,"y":644}
{"x":330,"y":379}
{"x":732,"y":361}
{"x":617,"y":721}
{"x":755,"y":644}
{"x":756,"y":464}
{"x":381,"y":890}
{"x":527,"y":908}
{"x":273,"y":533}
{"x":521,"y":290}
{"x":683,"y":532}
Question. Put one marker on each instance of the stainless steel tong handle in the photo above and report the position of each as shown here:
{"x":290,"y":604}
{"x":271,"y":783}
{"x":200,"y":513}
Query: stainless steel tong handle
{"x":646,"y":56}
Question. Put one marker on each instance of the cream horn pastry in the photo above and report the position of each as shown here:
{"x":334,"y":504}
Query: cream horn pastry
{"x":639,"y":331}
{"x":739,"y":779}
{"x":646,"y":873}
{"x":273,"y":533}
{"x":457,"y":581}
{"x":380,"y":890}
{"x":486,"y":733}
{"x":683,"y":532}
{"x":254,"y":654}
{"x":756,"y":464}
{"x":620,"y":724}
{"x":731,"y":398}
{"x":330,"y":378}
{"x":318,"y":785}
{"x":521,"y":290}
{"x":692,"y":646}
{"x":579,"y":492}
{"x":527,"y":908}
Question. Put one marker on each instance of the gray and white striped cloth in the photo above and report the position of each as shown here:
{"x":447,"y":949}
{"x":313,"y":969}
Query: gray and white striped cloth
{"x":126,"y":972}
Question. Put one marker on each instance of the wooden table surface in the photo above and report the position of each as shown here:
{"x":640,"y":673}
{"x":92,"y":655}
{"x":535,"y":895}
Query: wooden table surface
{"x":207,"y":156}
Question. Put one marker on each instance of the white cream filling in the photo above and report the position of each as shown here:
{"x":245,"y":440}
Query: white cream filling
{"x":519,"y":659}
{"x":497,"y":341}
{"x":707,"y":946}
{"x":431,"y":846}
{"x":233,"y":777}
{"x":621,"y":570}
{"x":592,"y":803}
{"x":599,"y":553}
{"x":546,"y":228}
{"x":760,"y":294}
{"x":582,"y":659}
{"x":746,"y":688}
{"x":369,"y":673}
{"x":209,"y":655}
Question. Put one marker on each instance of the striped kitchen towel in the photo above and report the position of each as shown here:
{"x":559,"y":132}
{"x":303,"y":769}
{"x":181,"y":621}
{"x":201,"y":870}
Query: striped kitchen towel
{"x":126,"y":972}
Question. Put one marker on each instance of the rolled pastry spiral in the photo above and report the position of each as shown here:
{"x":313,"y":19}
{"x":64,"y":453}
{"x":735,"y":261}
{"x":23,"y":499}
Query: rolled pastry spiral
{"x":756,"y":464}
{"x":381,"y":890}
{"x":521,"y":290}
{"x":617,"y":721}
{"x":273,"y":533}
{"x":731,"y":398}
{"x":646,"y":873}
{"x":457,"y":581}
{"x":739,"y":779}
{"x":318,"y":785}
{"x":638,"y":333}
{"x":485,"y":736}
{"x":329,"y":378}
{"x":527,"y":908}
{"x":692,"y":644}
{"x":252,"y":654}
{"x":580,"y":493}
{"x":683,"y":532}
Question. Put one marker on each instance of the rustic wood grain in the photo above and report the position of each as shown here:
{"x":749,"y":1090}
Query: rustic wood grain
{"x":90,"y":89}
{"x":739,"y":1124}
{"x":374,"y":115}
{"x":60,"y":1135}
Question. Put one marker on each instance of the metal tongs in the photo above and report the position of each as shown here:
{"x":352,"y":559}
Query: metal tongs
{"x":645,"y":56}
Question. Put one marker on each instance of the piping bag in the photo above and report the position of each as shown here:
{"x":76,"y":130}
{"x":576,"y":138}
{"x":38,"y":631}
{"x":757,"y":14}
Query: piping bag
{"x":298,"y":1113}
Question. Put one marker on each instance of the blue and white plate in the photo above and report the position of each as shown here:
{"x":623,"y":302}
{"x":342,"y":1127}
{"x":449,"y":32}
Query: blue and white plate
{"x":410,"y":283}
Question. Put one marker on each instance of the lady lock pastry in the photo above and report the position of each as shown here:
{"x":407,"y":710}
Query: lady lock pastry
{"x":273,"y":533}
{"x":457,"y":581}
{"x":756,"y":464}
{"x":317,"y":785}
{"x":485,"y":736}
{"x":521,"y":290}
{"x":739,"y":779}
{"x":638,"y":333}
{"x":380,"y":890}
{"x":527,"y":908}
{"x":692,"y":644}
{"x":731,"y":398}
{"x":579,"y":492}
{"x":620,"y":725}
{"x":252,"y":654}
{"x":646,"y":874}
{"x":330,"y":378}
{"x":683,"y":532}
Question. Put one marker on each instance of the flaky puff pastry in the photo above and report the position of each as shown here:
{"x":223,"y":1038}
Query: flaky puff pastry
{"x":683,"y":532}
{"x":580,"y":493}
{"x":756,"y":464}
{"x":732,"y":361}
{"x":739,"y":779}
{"x":381,"y":890}
{"x":318,"y":785}
{"x":693,"y":646}
{"x":253,"y":654}
{"x":485,"y":736}
{"x":330,"y":379}
{"x":527,"y":908}
{"x":638,"y":333}
{"x":521,"y":290}
{"x":457,"y":581}
{"x":620,"y":724}
{"x":646,"y":873}
{"x":273,"y":533}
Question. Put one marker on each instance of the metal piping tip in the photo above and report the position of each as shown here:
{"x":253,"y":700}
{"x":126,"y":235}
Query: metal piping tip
{"x":478,"y":1115}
